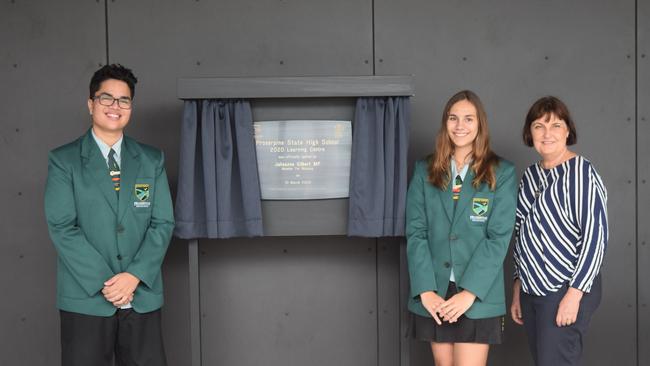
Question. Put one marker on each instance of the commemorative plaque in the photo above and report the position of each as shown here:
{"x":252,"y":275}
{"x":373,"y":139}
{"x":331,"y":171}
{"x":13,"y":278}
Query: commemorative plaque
{"x":303,"y":159}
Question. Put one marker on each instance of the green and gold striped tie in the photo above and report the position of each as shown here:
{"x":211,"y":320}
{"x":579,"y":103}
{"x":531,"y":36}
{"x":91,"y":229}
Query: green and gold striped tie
{"x":114,"y":171}
{"x":458,"y":184}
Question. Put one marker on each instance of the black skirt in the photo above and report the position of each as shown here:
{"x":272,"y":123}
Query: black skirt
{"x":464,"y":330}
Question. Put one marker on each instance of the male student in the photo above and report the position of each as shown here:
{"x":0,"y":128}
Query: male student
{"x":110,"y":217}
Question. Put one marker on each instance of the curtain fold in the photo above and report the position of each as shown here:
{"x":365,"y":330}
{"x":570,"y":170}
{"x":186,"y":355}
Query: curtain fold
{"x":218,"y":184}
{"x":378,"y":180}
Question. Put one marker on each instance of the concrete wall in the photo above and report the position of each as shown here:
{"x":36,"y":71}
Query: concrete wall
{"x":291,"y":299}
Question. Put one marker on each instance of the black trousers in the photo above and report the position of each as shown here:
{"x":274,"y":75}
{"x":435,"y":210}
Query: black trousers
{"x":127,"y":337}
{"x":549,"y":344}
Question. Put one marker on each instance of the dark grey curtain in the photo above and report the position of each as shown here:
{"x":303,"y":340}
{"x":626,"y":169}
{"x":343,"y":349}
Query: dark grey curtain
{"x":378,"y":171}
{"x":218,"y":185}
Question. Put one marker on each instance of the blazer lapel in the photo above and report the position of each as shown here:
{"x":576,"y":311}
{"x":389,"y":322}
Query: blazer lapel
{"x":466,"y":194}
{"x":128,"y":172}
{"x":447,"y":200}
{"x":95,"y":165}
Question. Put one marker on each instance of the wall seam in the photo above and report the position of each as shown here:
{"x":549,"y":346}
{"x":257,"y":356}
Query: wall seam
{"x":636,"y":172}
{"x":372,"y":2}
{"x":106,"y":30}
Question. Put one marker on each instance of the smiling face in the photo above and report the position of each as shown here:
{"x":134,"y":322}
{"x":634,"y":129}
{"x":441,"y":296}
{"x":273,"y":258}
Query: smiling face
{"x":549,"y":135}
{"x":462,"y":125}
{"x":110,"y":119}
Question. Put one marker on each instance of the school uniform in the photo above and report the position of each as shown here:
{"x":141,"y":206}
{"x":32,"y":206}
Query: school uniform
{"x":469,"y":237}
{"x":98,"y":232}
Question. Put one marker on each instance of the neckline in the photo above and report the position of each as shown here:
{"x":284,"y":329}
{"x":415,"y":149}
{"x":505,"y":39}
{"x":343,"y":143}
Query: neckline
{"x":546,"y":170}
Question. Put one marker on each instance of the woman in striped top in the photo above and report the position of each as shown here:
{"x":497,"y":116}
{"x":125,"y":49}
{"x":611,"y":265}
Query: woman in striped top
{"x":560,"y":239}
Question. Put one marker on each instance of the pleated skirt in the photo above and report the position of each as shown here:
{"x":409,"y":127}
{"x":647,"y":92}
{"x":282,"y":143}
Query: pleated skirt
{"x":465,"y":330}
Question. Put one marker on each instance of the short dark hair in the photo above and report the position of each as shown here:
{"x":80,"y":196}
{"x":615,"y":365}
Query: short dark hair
{"x":112,"y":71}
{"x":546,"y":107}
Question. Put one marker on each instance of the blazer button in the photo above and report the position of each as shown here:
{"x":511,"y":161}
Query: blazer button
{"x":453,"y":237}
{"x":119,"y":229}
{"x":119,"y":257}
{"x":447,"y":265}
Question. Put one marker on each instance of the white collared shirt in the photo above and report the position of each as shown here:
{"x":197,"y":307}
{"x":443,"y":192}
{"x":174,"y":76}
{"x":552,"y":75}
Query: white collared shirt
{"x":105,"y":149}
{"x":462,"y":173}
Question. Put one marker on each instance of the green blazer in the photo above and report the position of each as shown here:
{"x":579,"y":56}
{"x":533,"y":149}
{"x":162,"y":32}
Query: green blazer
{"x":473,"y":239}
{"x":97,"y":235}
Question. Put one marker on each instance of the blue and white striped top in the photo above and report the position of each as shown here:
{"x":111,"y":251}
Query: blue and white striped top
{"x":561,"y":227}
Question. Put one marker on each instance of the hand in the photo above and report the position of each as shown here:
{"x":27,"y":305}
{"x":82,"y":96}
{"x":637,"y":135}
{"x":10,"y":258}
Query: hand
{"x":119,"y":289}
{"x":567,"y":311}
{"x":431,"y":301}
{"x":119,"y":304}
{"x":515,"y":307}
{"x":456,"y":306}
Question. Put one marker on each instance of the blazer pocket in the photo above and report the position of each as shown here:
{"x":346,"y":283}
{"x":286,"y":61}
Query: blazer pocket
{"x":481,"y":208}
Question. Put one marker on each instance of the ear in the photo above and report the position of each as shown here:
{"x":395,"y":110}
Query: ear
{"x":90,"y":106}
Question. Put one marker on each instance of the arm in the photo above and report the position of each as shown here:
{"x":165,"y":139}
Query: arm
{"x":515,"y":307}
{"x":487,"y":259}
{"x":82,"y":260}
{"x":591,"y":212}
{"x":420,"y":262}
{"x":148,"y":260}
{"x":522,"y":207}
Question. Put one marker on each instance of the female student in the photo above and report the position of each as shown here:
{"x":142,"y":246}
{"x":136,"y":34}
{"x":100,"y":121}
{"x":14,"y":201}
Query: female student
{"x":460,"y":215}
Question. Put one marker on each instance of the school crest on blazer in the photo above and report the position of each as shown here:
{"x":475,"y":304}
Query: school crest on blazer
{"x":142,"y":192}
{"x":480,"y":207}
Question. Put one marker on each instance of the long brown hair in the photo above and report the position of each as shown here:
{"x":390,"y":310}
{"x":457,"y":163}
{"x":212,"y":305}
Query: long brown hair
{"x":484,"y":160}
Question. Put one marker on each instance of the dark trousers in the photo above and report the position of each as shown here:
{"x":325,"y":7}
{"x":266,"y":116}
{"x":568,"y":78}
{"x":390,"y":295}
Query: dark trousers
{"x":549,"y":344}
{"x":132,"y":339}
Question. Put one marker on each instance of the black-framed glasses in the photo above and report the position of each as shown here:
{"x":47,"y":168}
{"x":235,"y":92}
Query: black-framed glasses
{"x":108,"y":100}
